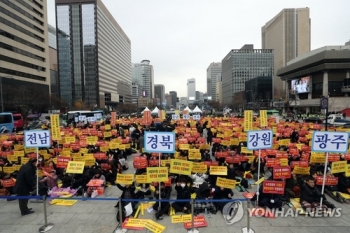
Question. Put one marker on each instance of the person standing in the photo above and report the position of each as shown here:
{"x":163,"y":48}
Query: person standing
{"x":25,"y":183}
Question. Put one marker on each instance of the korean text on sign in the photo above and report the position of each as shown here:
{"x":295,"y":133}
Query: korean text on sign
{"x":260,"y":139}
{"x":158,"y":174}
{"x":273,"y":187}
{"x":37,"y":138}
{"x":324,"y":141}
{"x":196,"y":117}
{"x":160,"y":142}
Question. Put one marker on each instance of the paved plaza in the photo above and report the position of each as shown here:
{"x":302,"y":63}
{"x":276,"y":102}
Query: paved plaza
{"x":99,"y":216}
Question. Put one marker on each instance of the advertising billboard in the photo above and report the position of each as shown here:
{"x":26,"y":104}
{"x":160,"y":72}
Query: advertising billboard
{"x":301,"y":85}
{"x":144,"y":93}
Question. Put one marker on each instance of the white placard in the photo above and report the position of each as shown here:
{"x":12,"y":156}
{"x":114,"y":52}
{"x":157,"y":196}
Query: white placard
{"x":259,"y":139}
{"x":37,"y":138}
{"x":175,"y":117}
{"x":196,"y":117}
{"x":159,"y":142}
{"x":325,"y":141}
{"x":186,"y":117}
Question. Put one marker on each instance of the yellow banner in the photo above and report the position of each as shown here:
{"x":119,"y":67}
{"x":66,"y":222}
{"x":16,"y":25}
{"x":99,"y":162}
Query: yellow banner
{"x":18,"y":153}
{"x":248,"y":120}
{"x":107,"y":127}
{"x":136,"y":222}
{"x":113,"y":145}
{"x":91,"y":140}
{"x":158,"y":174}
{"x":9,"y":170}
{"x":301,"y":170}
{"x":225,"y":183}
{"x":141,"y":179}
{"x":283,"y":162}
{"x":89,"y":161}
{"x":75,"y":167}
{"x":181,"y":218}
{"x":199,"y":168}
{"x":284,"y":142}
{"x":195,"y":156}
{"x":154,"y":227}
{"x":180,"y":167}
{"x":339,"y":167}
{"x":69,"y":139}
{"x":12,"y":158}
{"x":347,"y":171}
{"x":234,"y":141}
{"x":317,"y":158}
{"x":263,"y":118}
{"x":184,"y":146}
{"x":251,"y":158}
{"x":107,"y":134}
{"x":244,"y":150}
{"x":55,"y":127}
{"x":24,"y":160}
{"x":125,"y":178}
{"x":218,"y":170}
{"x":30,"y":150}
{"x":164,"y":162}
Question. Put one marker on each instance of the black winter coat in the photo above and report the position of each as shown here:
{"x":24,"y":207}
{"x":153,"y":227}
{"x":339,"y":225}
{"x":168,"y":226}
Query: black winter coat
{"x":26,"y":179}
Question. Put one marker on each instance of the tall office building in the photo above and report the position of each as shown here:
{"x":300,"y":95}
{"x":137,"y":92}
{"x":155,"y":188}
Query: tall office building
{"x":24,"y":45}
{"x":168,"y":100}
{"x":289,"y":35}
{"x":191,"y":90}
{"x":213,"y":69}
{"x":159,"y":91}
{"x":241,"y":65}
{"x":54,"y":82}
{"x":136,"y":92}
{"x":142,"y":73}
{"x":94,"y":54}
{"x":218,"y":90}
{"x":173,"y":98}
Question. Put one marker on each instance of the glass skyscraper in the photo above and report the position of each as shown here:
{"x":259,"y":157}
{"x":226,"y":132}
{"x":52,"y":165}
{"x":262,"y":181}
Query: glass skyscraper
{"x":94,"y":54}
{"x":241,"y":65}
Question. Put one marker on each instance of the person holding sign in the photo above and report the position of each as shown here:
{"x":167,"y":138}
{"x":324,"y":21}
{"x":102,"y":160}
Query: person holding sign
{"x":165,"y":206}
{"x":221,"y":193}
{"x":183,"y":192}
{"x":128,"y":192}
{"x":26,"y":183}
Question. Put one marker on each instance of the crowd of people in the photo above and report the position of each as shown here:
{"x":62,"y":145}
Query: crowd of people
{"x":207,"y":135}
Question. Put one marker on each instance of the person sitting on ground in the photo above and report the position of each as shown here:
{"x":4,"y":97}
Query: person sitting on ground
{"x":221,"y":193}
{"x":165,"y":206}
{"x":183,"y":192}
{"x":310,"y":196}
{"x":128,"y":192}
{"x":144,"y":191}
{"x":98,"y":175}
{"x":343,"y":183}
{"x":50,"y":180}
{"x":292,"y":186}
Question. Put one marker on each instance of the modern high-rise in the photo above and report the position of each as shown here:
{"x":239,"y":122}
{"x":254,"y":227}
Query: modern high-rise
{"x":241,"y":65}
{"x":191,"y":90}
{"x":213,"y":69}
{"x":218,"y":93}
{"x":142,"y":73}
{"x":24,"y":44}
{"x":94,"y":54}
{"x":159,"y":91}
{"x":54,"y":82}
{"x":136,"y":92}
{"x":289,"y":35}
{"x":173,"y":98}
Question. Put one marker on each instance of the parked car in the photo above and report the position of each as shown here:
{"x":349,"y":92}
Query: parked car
{"x":313,"y":120}
{"x":18,"y":121}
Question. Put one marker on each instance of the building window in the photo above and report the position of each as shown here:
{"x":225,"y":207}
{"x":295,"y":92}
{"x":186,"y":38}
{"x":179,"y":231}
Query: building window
{"x":21,"y":63}
{"x":21,"y":74}
{"x":317,"y":90}
{"x":334,"y":88}
{"x":20,"y":40}
{"x":21,"y":51}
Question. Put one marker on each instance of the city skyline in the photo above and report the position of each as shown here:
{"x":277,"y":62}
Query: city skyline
{"x":180,"y":50}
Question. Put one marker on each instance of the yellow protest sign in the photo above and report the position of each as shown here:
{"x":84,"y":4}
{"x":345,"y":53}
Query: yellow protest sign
{"x":141,"y":179}
{"x":182,"y":167}
{"x":107,"y":134}
{"x":125,"y":178}
{"x":90,"y":162}
{"x":135,"y":222}
{"x":181,"y":218}
{"x":339,"y":167}
{"x":18,"y":153}
{"x":107,"y":127}
{"x":55,"y":127}
{"x":263,"y":118}
{"x":158,"y":174}
{"x":301,"y":170}
{"x":284,"y":142}
{"x":154,"y":227}
{"x":248,"y":120}
{"x":12,"y":158}
{"x":69,"y":139}
{"x":251,"y":158}
{"x":347,"y":171}
{"x":24,"y":160}
{"x":194,"y":156}
{"x":199,"y":168}
{"x":18,"y":147}
{"x":225,"y":183}
{"x":75,"y":167}
{"x":244,"y":150}
{"x":91,"y":140}
{"x":104,"y":148}
{"x":30,"y":150}
{"x":9,"y":170}
{"x":218,"y":170}
{"x":184,"y":146}
{"x":284,"y":162}
{"x":317,"y":158}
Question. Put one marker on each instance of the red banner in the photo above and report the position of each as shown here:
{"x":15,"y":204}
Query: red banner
{"x":199,"y":221}
{"x":299,"y":164}
{"x":113,"y":118}
{"x":273,"y":187}
{"x":329,"y":180}
{"x":234,"y":159}
{"x":281,"y":172}
{"x":272,"y":162}
{"x":333,"y":158}
{"x":8,"y":183}
{"x":62,"y":162}
{"x":100,"y":156}
{"x":147,"y":117}
{"x":347,"y":157}
{"x":281,"y":156}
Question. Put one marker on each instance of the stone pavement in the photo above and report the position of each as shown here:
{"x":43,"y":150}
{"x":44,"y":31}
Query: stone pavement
{"x":98,"y":216}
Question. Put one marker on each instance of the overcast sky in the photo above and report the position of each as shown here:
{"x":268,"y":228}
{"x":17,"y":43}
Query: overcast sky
{"x":181,"y":38}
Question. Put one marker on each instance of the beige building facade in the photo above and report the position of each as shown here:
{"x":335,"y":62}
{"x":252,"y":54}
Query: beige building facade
{"x":24,"y":49}
{"x":289,"y":35}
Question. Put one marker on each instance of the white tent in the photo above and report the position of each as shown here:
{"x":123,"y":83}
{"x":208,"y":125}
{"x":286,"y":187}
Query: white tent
{"x":146,"y":109}
{"x":155,"y":110}
{"x":187,"y":109}
{"x":197,"y":110}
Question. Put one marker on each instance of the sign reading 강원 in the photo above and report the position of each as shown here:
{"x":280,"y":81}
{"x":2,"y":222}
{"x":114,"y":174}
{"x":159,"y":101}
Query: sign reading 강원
{"x":158,"y":174}
{"x":181,"y":167}
{"x":218,"y":170}
{"x":75,"y":167}
{"x":125,"y":179}
{"x":225,"y":183}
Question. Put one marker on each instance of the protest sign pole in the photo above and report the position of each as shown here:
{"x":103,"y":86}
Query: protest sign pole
{"x":192,"y":221}
{"x":160,"y":203}
{"x":324,"y":179}
{"x":258,"y":186}
{"x":37,"y":172}
{"x":47,"y":226}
